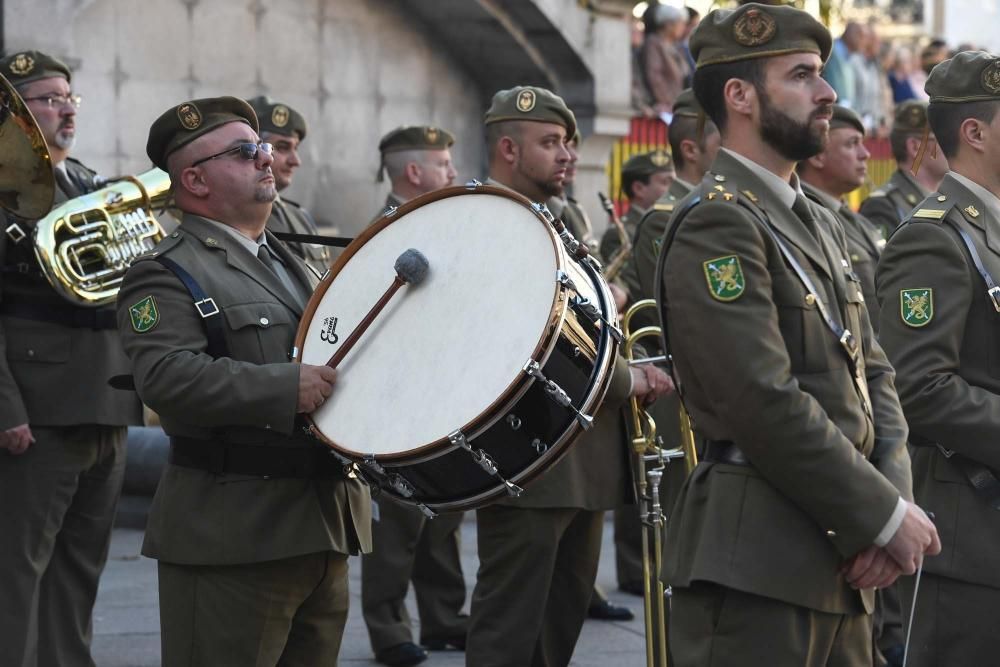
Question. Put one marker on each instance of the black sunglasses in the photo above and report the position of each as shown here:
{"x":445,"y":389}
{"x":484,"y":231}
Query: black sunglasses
{"x":247,"y":151}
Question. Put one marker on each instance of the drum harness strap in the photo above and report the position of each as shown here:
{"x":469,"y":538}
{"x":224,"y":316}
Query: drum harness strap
{"x":334,"y":241}
{"x":981,"y":477}
{"x":725,"y":451}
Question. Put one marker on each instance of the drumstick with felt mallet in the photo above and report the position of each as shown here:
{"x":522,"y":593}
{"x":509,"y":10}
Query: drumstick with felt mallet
{"x":411,"y":269}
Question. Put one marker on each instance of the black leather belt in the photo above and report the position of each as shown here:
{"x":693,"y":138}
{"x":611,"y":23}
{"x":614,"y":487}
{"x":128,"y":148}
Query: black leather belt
{"x":301,"y":462}
{"x":68,"y":316}
{"x":724,"y":451}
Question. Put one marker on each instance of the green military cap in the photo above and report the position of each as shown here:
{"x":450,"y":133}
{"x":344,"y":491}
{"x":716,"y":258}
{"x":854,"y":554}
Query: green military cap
{"x":27,"y":66}
{"x":415,"y":138}
{"x":531,"y":103}
{"x":844,"y":117}
{"x":910,"y":117}
{"x":646,"y":164}
{"x":687,"y":105}
{"x":971,"y":76}
{"x":278,"y":118}
{"x":181,"y":124}
{"x":757,"y":31}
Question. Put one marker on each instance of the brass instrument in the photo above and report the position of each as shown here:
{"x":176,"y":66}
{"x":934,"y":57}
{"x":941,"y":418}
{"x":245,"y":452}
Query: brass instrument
{"x":616,"y":263}
{"x":648,"y":450}
{"x":86,"y":244}
{"x":27,"y":184}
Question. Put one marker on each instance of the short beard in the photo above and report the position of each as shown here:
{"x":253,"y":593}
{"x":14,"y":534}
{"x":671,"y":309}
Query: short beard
{"x":265,"y":193}
{"x":793,"y":140}
{"x":64,"y":141}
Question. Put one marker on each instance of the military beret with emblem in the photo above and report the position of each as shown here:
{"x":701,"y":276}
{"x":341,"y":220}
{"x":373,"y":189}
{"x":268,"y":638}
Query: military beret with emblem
{"x":415,"y":138}
{"x":686,"y":105}
{"x":181,"y":124}
{"x":910,"y":117}
{"x":971,"y":76}
{"x":844,"y":117}
{"x":530,"y":103}
{"x":757,"y":31}
{"x":646,"y":164}
{"x":26,"y":66}
{"x":278,"y":118}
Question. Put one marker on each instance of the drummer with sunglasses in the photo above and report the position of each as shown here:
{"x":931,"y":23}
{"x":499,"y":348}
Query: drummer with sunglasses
{"x":538,"y":553}
{"x":252,"y":522}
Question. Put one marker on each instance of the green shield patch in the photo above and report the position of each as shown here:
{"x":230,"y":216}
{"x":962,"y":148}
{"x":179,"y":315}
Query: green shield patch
{"x":916,"y":306}
{"x":725,"y":277}
{"x":144,"y":315}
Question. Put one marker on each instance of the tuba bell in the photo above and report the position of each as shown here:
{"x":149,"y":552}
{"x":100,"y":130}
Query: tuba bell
{"x":86,"y":244}
{"x":27,"y":184}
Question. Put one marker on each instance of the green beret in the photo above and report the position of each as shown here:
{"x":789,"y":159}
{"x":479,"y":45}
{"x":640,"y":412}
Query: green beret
{"x":647,"y":164}
{"x":27,"y":66}
{"x":278,"y":118}
{"x":971,"y":76}
{"x":844,"y":117}
{"x":757,"y":31}
{"x":180,"y":125}
{"x":910,"y":117}
{"x":687,"y":105}
{"x":531,"y":103}
{"x":415,"y":138}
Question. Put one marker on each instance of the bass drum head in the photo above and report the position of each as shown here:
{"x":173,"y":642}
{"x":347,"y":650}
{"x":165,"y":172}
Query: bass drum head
{"x":441,"y":353}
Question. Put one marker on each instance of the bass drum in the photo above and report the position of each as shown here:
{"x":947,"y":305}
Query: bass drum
{"x":477,"y":380}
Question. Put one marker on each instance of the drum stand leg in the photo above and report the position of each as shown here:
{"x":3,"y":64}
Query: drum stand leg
{"x":484,"y":461}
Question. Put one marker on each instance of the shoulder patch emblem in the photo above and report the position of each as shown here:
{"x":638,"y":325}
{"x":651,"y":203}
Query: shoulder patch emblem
{"x":916,"y":306}
{"x":144,"y":315}
{"x":725,"y":277}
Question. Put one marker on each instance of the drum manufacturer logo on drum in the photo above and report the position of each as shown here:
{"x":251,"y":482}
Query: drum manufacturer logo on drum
{"x":329,"y":332}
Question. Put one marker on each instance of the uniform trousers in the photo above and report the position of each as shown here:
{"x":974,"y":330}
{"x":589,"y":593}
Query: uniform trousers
{"x":59,"y":500}
{"x":955,"y":622}
{"x":289,"y":612}
{"x":536,"y":574}
{"x":715,"y":626}
{"x":406,"y":546}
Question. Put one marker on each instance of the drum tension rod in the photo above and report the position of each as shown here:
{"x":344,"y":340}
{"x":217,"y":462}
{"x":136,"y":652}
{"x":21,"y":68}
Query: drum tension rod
{"x":586,"y":307}
{"x":557,"y":393}
{"x":484,"y":461}
{"x":399,"y":483}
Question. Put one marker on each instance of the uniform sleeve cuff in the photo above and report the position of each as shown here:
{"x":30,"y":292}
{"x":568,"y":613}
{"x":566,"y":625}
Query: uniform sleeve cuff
{"x":892,"y":525}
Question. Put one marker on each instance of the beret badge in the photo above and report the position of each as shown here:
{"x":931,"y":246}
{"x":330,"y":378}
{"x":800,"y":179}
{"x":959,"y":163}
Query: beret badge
{"x":280,"y":115}
{"x":754,"y":28}
{"x":991,"y":77}
{"x":22,"y":64}
{"x":659,"y":159}
{"x":189,"y":116}
{"x":526,"y":101}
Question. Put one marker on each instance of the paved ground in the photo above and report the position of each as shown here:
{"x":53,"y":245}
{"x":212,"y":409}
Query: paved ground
{"x":126,"y":622}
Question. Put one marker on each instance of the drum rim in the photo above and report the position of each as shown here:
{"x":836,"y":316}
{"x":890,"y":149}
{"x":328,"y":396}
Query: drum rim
{"x":518,"y":386}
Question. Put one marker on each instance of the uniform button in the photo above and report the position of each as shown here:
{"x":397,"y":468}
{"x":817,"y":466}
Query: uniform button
{"x":810,"y":299}
{"x":31,"y":353}
{"x":267,"y":426}
{"x":720,"y":178}
{"x":942,"y":198}
{"x":831,"y":534}
{"x":264,"y":321}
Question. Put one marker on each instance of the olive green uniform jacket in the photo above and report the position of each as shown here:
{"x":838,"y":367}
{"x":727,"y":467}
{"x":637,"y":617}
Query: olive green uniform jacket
{"x":249,"y":397}
{"x":610,"y":244}
{"x":288,"y":217}
{"x":864,"y":245}
{"x":760,"y":369}
{"x":947,"y":359}
{"x":889,"y":205}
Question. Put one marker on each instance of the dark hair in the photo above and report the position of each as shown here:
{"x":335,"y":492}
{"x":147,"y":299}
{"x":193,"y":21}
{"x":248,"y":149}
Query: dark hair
{"x":897,"y":140}
{"x":686,"y":128}
{"x":692,"y":13}
{"x":945,"y":119}
{"x":631,"y":179}
{"x":710,"y":81}
{"x":498,"y":130}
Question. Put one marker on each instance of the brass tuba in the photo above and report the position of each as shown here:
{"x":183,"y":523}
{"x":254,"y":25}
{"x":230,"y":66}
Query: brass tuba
{"x":86,"y":244}
{"x":651,"y":459}
{"x":27,"y":184}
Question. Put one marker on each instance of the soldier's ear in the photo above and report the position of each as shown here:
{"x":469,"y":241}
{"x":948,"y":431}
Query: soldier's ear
{"x":508,"y":149}
{"x":973,"y":133}
{"x":193,"y":181}
{"x":740,"y":96}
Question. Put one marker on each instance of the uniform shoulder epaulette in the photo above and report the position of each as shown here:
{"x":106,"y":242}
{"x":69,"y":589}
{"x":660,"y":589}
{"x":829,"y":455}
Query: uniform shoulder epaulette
{"x":722,"y":189}
{"x":880,"y":192}
{"x":668,"y":207}
{"x":934,"y":208}
{"x":168,"y":243}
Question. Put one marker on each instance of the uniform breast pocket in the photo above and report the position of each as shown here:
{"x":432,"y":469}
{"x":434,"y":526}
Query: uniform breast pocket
{"x":802,"y":327}
{"x":855,"y":305}
{"x":260,"y":332}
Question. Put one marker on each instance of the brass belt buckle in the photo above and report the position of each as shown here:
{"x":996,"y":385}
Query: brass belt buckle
{"x":850,"y":343}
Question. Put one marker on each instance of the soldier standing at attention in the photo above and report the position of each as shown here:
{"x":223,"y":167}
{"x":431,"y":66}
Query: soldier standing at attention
{"x":538,"y":553}
{"x":827,"y":178}
{"x":63,"y":429}
{"x":406,"y":546}
{"x":645,"y":178}
{"x":941,"y":329}
{"x":887,"y":206}
{"x":252,"y":520}
{"x":800,"y":506}
{"x":285,"y":129}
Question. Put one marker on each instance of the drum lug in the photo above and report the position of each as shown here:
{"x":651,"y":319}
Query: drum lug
{"x":513,"y":421}
{"x":428,"y":512}
{"x":473,"y":184}
{"x":389,"y":211}
{"x":484,"y":461}
{"x":403,"y":487}
{"x":295,"y":354}
{"x":563,"y":279}
{"x":556,"y":393}
{"x":543,"y":210}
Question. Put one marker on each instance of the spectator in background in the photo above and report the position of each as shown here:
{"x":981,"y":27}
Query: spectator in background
{"x":665,"y":68}
{"x":838,"y":72}
{"x":900,"y":75}
{"x":869,"y":80}
{"x":693,"y":19}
